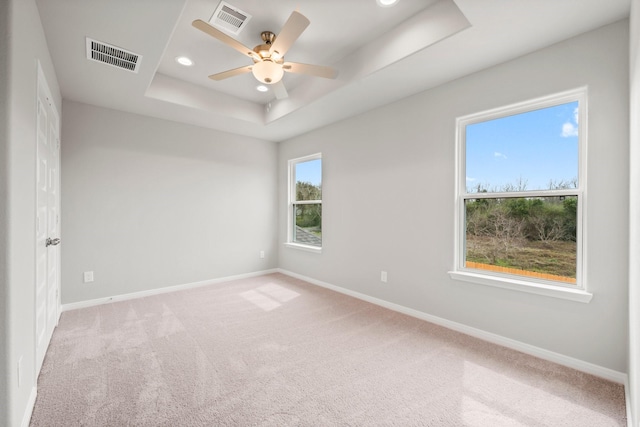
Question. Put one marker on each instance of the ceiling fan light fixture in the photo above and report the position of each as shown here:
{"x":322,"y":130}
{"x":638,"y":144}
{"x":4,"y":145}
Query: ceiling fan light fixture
{"x":267,"y":72}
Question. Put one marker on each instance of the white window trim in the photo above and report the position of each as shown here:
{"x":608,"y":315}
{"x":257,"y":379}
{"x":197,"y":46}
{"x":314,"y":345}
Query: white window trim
{"x":291,"y":195}
{"x":548,"y":288}
{"x":302,"y":247}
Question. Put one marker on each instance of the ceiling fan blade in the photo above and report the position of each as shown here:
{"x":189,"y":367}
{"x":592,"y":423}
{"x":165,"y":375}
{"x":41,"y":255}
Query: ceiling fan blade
{"x":279,"y":90}
{"x":313,"y":70}
{"x":230,"y":41}
{"x":231,"y":73}
{"x":292,"y":29}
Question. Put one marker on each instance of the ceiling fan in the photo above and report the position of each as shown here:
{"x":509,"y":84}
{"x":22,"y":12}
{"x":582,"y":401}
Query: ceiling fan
{"x":269,"y":65}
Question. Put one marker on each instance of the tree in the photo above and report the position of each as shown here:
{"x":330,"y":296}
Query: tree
{"x":308,"y":191}
{"x":308,"y":215}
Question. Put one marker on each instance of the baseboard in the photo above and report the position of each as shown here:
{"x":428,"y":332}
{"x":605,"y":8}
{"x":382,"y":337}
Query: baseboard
{"x":551,"y":356}
{"x":158,"y":291}
{"x":31,"y":403}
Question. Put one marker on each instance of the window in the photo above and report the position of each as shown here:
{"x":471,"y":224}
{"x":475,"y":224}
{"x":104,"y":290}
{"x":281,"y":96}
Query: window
{"x":305,"y":203}
{"x":520,"y":196}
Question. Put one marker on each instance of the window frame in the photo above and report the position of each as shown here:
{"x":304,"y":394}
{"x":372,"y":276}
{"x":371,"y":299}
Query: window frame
{"x":577,"y":292}
{"x":291,"y":202}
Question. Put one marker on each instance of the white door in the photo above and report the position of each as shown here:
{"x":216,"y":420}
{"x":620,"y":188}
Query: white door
{"x":47,"y":220}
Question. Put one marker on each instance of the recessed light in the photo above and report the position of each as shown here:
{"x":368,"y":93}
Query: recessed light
{"x":386,"y":3}
{"x":183,"y":60}
{"x":262,"y":88}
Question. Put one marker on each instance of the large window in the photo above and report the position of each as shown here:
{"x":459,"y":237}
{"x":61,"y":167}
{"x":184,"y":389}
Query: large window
{"x":305,"y":202}
{"x":520,"y":196}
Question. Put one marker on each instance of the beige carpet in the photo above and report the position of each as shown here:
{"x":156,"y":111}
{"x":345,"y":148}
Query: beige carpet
{"x":276,"y":351}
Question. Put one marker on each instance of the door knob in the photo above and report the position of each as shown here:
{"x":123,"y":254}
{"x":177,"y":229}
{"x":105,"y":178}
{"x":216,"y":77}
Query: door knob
{"x":52,"y":242}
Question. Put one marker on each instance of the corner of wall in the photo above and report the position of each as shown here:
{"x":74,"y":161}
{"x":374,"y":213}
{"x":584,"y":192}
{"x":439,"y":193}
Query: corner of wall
{"x":633,"y":387}
{"x":4,"y":142}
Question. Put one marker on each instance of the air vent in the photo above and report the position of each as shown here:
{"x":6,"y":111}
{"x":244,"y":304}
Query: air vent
{"x":112,"y":55}
{"x":229,"y":18}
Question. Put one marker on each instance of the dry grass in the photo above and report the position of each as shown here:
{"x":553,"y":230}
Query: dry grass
{"x":557,"y":258}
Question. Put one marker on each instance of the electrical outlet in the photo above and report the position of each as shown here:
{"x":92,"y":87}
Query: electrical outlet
{"x":383,"y":276}
{"x":261,"y":254}
{"x":88,"y":276}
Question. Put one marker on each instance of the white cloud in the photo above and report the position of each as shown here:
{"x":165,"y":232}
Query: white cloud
{"x":569,"y":130}
{"x":499,"y":155}
{"x":469,"y":179}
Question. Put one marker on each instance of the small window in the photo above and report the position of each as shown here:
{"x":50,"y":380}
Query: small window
{"x":305,"y":202}
{"x":520,"y":194}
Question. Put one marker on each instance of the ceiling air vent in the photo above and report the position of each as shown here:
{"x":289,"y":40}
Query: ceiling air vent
{"x":229,"y":18}
{"x":112,"y":55}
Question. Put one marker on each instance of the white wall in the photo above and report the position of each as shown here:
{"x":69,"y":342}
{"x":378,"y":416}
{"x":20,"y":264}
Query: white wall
{"x":148,"y":203}
{"x":388,"y":201}
{"x":26,"y":45}
{"x":634,"y":217}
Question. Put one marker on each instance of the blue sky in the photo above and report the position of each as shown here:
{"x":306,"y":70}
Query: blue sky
{"x":536,"y":147}
{"x":310,"y":171}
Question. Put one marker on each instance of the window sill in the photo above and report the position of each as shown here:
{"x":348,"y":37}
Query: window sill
{"x":578,"y":295}
{"x":307,"y":248}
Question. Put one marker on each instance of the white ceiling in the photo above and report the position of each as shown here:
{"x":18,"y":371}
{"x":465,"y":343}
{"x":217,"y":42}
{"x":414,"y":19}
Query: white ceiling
{"x":381,"y":54}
